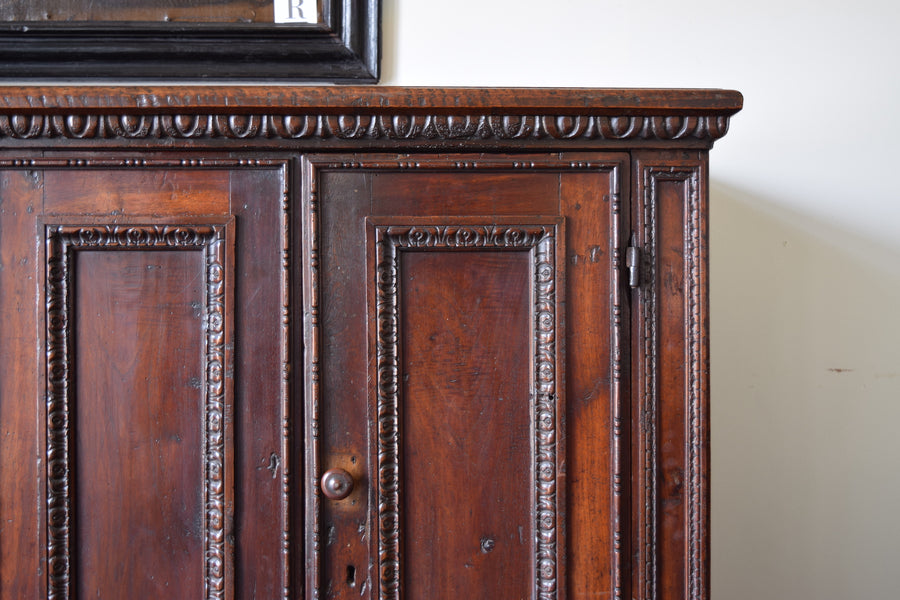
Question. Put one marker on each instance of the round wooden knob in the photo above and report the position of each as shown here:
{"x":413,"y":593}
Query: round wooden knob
{"x":337,"y":484}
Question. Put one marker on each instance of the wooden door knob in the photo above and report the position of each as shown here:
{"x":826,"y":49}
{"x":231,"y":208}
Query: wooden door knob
{"x":337,"y":484}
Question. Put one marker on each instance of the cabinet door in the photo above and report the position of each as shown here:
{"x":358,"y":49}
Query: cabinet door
{"x":465,"y":369}
{"x":143,"y":355}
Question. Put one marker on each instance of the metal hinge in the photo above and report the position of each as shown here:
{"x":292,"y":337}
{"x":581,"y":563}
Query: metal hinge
{"x":633,"y":264}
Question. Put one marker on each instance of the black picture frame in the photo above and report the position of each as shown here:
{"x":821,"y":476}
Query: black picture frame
{"x":344,"y":47}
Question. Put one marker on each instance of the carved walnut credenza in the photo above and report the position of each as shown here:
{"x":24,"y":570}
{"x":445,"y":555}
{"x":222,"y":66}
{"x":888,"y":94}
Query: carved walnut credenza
{"x":338,"y":342}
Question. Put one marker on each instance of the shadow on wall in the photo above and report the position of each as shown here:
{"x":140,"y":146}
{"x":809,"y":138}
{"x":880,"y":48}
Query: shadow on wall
{"x":805,"y":321}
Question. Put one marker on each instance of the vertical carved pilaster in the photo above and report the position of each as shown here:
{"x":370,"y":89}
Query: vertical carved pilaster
{"x":545,"y":429}
{"x":387,"y":426}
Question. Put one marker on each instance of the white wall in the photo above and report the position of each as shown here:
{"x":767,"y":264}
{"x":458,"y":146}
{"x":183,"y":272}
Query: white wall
{"x":805,"y":230}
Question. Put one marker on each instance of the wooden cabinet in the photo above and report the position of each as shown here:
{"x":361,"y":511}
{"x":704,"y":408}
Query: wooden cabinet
{"x":354,"y":343}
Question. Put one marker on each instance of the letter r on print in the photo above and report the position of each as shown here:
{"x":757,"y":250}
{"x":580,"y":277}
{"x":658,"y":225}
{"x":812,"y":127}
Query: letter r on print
{"x":296,"y":11}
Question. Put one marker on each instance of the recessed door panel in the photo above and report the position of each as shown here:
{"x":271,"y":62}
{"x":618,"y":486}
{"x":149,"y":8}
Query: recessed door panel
{"x":138,"y":491}
{"x":465,"y":328}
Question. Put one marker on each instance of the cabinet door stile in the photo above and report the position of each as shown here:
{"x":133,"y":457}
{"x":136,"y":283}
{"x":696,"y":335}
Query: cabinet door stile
{"x":416,"y":237}
{"x":672,"y":443}
{"x":595,"y":200}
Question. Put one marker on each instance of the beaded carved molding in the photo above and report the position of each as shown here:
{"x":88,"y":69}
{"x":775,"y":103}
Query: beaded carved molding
{"x":62,"y":242}
{"x":390,"y":241}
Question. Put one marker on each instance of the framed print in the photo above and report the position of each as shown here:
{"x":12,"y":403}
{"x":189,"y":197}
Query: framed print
{"x":295,"y":40}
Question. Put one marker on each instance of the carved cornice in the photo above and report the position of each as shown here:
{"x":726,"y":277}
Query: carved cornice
{"x":383,"y":115}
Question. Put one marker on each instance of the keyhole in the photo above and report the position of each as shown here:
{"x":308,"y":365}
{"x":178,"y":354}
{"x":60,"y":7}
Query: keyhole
{"x":351,"y":575}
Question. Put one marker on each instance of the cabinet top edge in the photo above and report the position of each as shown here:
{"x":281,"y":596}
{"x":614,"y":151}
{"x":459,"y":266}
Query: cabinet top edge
{"x":368,"y":99}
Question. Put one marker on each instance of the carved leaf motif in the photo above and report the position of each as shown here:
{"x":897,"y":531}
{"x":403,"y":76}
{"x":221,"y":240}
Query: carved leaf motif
{"x":509,"y":127}
{"x":454,"y":127}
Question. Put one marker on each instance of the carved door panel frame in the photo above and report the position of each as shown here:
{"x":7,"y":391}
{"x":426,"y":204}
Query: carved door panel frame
{"x":64,"y":242}
{"x":389,"y":237}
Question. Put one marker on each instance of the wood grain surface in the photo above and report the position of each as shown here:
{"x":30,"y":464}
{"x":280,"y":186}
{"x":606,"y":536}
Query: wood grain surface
{"x":210,"y":296}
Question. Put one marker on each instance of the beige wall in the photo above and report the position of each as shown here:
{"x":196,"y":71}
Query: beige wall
{"x":805,"y":275}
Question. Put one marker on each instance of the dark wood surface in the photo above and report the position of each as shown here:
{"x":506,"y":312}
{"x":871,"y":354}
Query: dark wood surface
{"x":351,"y":119}
{"x":437,"y":372}
{"x":466,"y":449}
{"x":225,"y":40}
{"x":195,"y":328}
{"x":134,"y":420}
{"x":268,"y":99}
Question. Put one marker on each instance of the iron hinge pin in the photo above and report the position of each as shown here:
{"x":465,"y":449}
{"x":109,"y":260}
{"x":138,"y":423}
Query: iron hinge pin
{"x":633,"y":264}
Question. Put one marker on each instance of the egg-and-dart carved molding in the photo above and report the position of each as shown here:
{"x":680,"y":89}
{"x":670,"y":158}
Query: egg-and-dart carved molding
{"x":390,"y":241}
{"x":389,"y":127}
{"x":61,"y":242}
